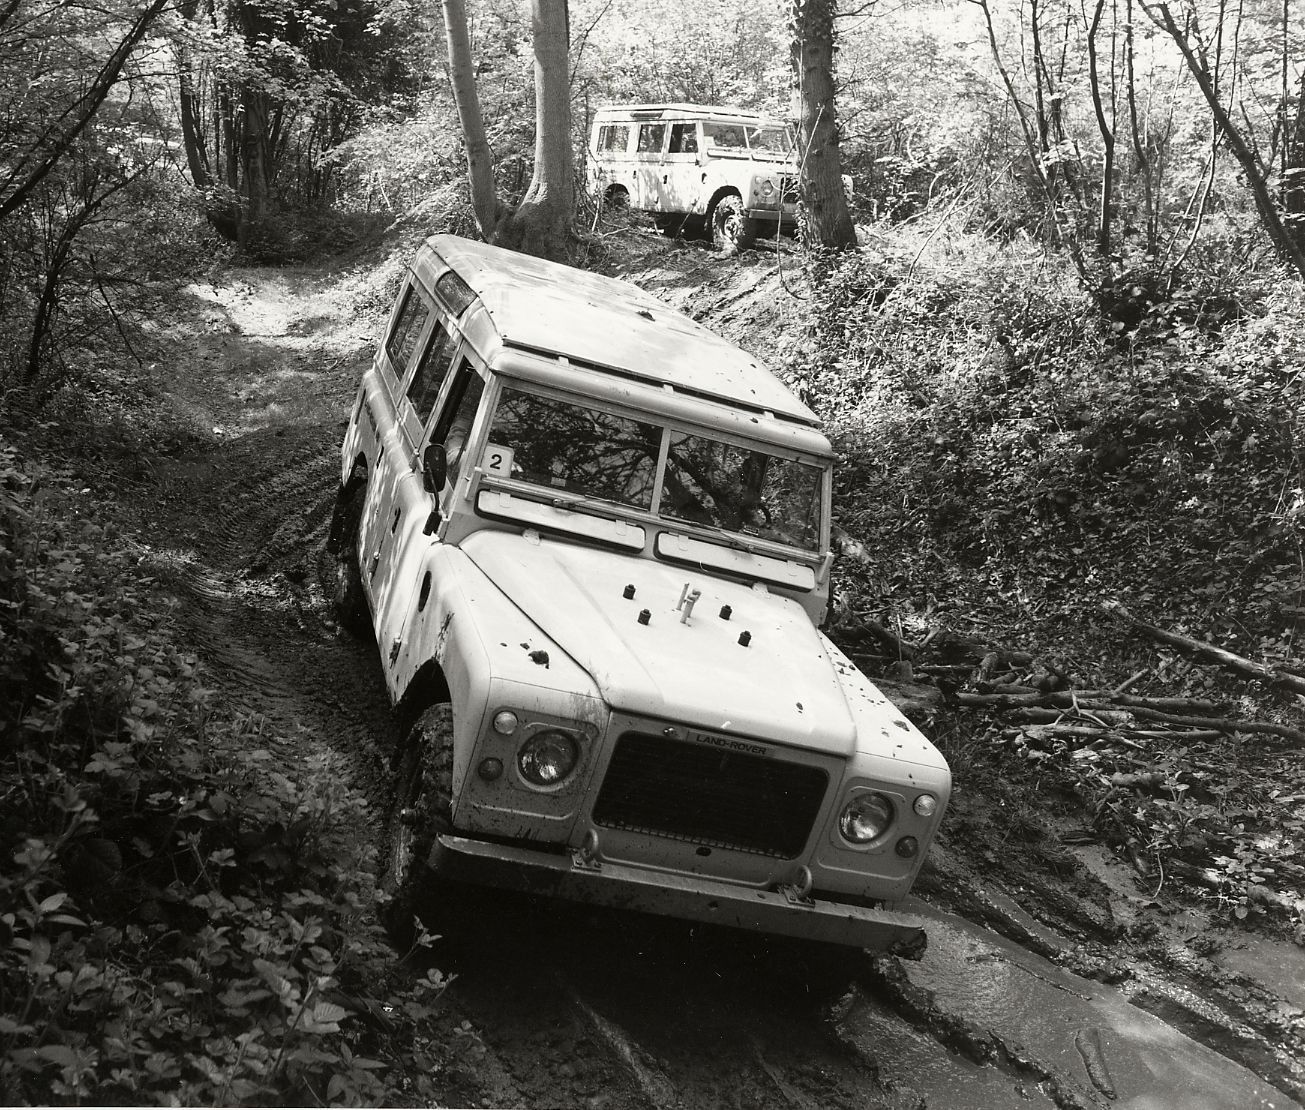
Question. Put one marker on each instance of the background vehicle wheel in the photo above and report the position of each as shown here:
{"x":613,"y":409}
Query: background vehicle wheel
{"x":616,"y":198}
{"x":421,"y":807}
{"x":344,"y":586}
{"x":731,"y":230}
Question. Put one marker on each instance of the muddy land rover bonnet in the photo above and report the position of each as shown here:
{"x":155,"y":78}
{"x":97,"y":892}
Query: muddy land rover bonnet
{"x":777,"y":684}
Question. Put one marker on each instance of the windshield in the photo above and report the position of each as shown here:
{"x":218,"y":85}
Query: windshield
{"x":553,"y":443}
{"x":707,"y":482}
{"x":772,"y":140}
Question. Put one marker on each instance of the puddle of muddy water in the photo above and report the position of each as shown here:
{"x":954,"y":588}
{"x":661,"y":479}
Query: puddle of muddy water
{"x":1277,"y":962}
{"x":1076,"y":1030}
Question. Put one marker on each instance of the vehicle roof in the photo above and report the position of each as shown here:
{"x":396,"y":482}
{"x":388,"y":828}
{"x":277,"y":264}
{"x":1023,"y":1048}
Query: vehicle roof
{"x":608,"y":324}
{"x":715,"y":111}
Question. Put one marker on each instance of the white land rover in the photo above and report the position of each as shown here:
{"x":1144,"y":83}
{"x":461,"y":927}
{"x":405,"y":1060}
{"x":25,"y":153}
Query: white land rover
{"x":591,"y":539}
{"x":734,"y":171}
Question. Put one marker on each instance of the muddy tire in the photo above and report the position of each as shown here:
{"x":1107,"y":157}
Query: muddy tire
{"x":421,"y":807}
{"x":343,"y":583}
{"x":731,"y":230}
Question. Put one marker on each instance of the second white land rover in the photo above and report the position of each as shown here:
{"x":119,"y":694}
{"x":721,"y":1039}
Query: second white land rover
{"x":732,"y":170}
{"x":591,"y":540}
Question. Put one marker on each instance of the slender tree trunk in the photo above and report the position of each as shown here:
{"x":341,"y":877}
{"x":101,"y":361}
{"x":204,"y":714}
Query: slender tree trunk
{"x":1287,"y":246}
{"x":480,"y":161}
{"x":541,"y":225}
{"x":29,"y":169}
{"x":1107,"y":130}
{"x":828,"y":220}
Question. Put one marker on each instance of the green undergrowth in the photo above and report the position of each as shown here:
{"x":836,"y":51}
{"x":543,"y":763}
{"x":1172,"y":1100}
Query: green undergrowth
{"x":1010,"y":460}
{"x":1007,"y":454}
{"x":185,"y":911}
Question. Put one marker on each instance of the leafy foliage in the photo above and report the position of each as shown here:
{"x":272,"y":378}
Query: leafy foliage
{"x":179,"y":920}
{"x":1010,"y":460}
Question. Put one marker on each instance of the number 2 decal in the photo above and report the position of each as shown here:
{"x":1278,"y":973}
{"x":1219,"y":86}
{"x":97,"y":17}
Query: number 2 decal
{"x":498,"y":460}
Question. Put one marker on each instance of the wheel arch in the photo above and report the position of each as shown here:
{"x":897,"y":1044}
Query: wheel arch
{"x":428,"y":686}
{"x":720,"y":194}
{"x":359,"y":473}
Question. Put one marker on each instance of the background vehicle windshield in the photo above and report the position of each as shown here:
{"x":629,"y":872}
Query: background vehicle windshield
{"x":563,"y":446}
{"x":772,"y":140}
{"x":560,"y":445}
{"x":741,"y":490}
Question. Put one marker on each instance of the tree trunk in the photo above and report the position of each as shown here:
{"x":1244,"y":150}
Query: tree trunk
{"x":27,"y":170}
{"x":828,"y":221}
{"x":1106,"y":127}
{"x":1288,"y":248}
{"x":541,"y":225}
{"x":480,"y":161}
{"x":254,"y":165}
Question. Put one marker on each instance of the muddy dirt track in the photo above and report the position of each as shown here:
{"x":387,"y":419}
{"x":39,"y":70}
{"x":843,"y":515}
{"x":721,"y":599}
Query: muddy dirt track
{"x":1044,"y":986}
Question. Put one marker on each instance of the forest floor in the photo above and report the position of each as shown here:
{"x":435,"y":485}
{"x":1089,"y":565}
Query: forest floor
{"x":1057,"y":974}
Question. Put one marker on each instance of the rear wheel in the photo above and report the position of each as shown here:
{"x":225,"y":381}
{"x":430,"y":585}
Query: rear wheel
{"x":731,"y":230}
{"x":421,"y":808}
{"x":345,"y":583}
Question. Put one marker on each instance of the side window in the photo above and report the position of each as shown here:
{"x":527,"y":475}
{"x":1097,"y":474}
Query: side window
{"x":651,"y":137}
{"x":435,"y":360}
{"x":407,"y":330}
{"x":453,"y":428}
{"x":728,"y":136}
{"x":684,"y":138}
{"x":614,"y":138}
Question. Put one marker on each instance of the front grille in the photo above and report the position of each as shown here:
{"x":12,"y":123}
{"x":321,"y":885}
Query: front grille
{"x":699,"y":793}
{"x":788,"y":189}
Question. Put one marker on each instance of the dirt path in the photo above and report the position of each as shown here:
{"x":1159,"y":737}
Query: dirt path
{"x":563,"y":1006}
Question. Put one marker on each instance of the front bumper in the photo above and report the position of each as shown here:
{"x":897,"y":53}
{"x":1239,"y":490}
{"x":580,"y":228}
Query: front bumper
{"x":787,"y":217}
{"x":693,"y":898}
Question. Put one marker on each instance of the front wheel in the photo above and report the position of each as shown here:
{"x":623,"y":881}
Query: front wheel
{"x":421,"y":807}
{"x":731,"y":230}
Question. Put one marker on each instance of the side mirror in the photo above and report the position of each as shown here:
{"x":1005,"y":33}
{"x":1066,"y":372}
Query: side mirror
{"x":434,"y":467}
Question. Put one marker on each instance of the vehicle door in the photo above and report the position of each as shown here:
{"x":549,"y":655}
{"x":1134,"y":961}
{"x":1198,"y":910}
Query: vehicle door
{"x":455,"y":426}
{"x":681,"y":182}
{"x":393,"y":484}
{"x":613,"y":162}
{"x":649,"y":153}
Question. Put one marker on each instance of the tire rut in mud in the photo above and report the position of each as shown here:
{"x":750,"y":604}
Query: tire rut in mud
{"x":247,"y":522}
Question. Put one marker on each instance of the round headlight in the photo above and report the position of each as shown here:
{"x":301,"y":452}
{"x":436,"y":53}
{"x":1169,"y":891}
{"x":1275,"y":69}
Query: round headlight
{"x":547,"y":758}
{"x":865,"y":818}
{"x":926,"y":805}
{"x":767,"y":187}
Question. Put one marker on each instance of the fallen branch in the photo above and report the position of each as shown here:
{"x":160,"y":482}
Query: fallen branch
{"x":1089,"y":699}
{"x":1247,"y":667}
{"x":1224,"y":724}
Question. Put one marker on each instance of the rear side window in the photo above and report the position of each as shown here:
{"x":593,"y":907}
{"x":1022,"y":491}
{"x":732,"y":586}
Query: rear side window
{"x":407,"y":330}
{"x":425,"y":385}
{"x":614,"y":138}
{"x":651,"y":136}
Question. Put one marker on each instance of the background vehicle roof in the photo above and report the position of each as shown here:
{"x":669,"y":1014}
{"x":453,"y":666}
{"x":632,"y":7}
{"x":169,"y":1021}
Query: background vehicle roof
{"x":588,"y":318}
{"x":715,"y":111}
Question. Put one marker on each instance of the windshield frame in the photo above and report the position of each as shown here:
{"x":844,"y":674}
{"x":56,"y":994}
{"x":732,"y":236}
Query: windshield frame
{"x":480,"y":478}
